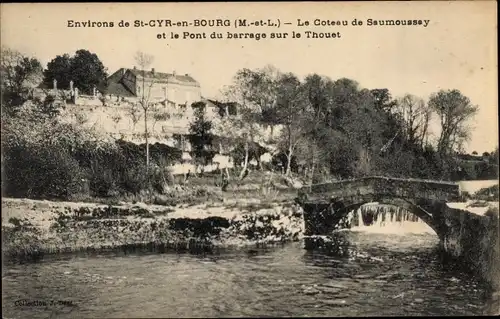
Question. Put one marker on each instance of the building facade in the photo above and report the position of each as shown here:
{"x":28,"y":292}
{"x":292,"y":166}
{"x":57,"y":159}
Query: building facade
{"x":170,"y":89}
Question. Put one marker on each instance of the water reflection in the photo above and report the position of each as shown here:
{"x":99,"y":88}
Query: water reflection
{"x":375,"y":274}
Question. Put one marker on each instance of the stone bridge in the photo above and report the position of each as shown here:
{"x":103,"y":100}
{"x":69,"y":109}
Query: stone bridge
{"x":326,"y":204}
{"x":471,"y":239}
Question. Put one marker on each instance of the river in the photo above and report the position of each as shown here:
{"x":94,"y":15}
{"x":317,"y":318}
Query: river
{"x":394,"y":270}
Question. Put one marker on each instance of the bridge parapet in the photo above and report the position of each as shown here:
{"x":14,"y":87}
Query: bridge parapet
{"x":384,"y":187}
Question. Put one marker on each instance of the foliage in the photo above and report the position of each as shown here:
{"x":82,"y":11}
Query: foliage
{"x":329,"y":129}
{"x":244,"y":128}
{"x":19,"y":76}
{"x":453,"y":110}
{"x":85,"y":69}
{"x":344,"y":130}
{"x":292,"y":113}
{"x":201,"y":138}
{"x":58,"y":69}
{"x":43,"y":157}
{"x":39,"y":171}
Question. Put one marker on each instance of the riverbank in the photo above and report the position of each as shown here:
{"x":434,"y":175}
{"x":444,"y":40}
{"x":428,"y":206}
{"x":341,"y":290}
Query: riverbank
{"x":32,"y":229}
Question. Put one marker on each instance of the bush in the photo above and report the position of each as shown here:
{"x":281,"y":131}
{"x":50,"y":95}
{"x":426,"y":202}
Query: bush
{"x":101,"y":180}
{"x":492,"y":212}
{"x":45,"y":158}
{"x":40,"y":171}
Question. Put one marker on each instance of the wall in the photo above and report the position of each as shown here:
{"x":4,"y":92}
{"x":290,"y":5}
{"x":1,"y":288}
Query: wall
{"x":474,"y":241}
{"x":115,"y":119}
{"x":385,"y":186}
{"x":170,"y":89}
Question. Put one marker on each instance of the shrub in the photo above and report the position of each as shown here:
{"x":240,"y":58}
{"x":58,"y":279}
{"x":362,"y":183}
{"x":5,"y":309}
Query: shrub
{"x":492,"y":212}
{"x":43,"y":157}
{"x":101,"y":179}
{"x":40,"y":171}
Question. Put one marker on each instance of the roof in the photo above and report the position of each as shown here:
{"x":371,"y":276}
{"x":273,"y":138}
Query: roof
{"x":163,"y":76}
{"x":114,"y":85}
{"x":116,"y":88}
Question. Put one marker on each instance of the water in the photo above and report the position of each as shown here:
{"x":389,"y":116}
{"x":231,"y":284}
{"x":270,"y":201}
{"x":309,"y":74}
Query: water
{"x":387,"y":274}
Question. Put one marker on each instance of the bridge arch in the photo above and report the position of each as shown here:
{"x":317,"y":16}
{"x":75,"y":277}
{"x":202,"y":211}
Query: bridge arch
{"x":325,"y":204}
{"x":322,"y":218}
{"x":346,"y":207}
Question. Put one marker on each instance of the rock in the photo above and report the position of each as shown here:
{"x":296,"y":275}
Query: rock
{"x":419,"y":300}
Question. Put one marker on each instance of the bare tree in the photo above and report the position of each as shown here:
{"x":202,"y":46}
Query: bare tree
{"x":415,"y":114}
{"x":135,"y":113}
{"x":147,"y":80}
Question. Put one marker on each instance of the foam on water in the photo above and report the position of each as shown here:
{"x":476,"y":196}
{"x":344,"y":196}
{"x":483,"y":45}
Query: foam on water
{"x":385,"y":220}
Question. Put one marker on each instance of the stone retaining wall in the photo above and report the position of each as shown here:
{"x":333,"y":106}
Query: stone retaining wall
{"x":33,"y":229}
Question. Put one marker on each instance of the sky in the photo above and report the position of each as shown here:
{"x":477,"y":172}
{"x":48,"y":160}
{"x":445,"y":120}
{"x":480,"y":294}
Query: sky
{"x":456,"y":50}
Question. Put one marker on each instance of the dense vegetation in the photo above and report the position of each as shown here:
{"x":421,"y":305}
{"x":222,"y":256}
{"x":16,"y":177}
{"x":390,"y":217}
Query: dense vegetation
{"x":336,"y":128}
{"x":330,"y":129}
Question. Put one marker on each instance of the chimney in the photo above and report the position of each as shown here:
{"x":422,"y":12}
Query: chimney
{"x":153,"y":70}
{"x":187,"y":74}
{"x":135,"y":67}
{"x":173,"y":72}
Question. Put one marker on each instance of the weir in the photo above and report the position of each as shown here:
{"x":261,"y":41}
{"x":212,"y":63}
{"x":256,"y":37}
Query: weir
{"x":469,"y":239}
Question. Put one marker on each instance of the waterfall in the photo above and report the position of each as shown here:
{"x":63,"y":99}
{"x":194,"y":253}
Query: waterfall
{"x":386,"y":219}
{"x":361,"y":222}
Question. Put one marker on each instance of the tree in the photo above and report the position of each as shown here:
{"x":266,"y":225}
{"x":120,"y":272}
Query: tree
{"x":318,"y":90}
{"x":201,"y":138}
{"x":415,"y":115}
{"x":144,"y":60}
{"x":264,"y":92}
{"x":19,"y":76}
{"x":244,"y":127}
{"x":135,"y":113}
{"x":85,"y":69}
{"x":493,"y":158}
{"x":383,"y":99}
{"x":454,"y":111}
{"x":292,"y":113}
{"x":58,"y":69}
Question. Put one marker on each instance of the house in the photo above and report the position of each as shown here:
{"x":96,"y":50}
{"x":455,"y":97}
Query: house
{"x":171,"y":89}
